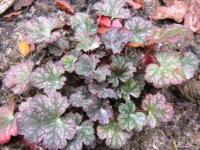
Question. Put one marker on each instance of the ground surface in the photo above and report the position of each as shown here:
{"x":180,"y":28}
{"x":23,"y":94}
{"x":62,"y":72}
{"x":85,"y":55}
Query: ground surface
{"x":182,"y":133}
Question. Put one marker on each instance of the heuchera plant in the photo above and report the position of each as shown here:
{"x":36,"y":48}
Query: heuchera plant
{"x":88,"y":93}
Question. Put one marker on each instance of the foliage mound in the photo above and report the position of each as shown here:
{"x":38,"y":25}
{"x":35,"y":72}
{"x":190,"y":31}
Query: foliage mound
{"x":89,"y":93}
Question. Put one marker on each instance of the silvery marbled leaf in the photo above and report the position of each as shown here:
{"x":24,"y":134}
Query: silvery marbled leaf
{"x":41,"y":122}
{"x":49,"y":77}
{"x":158,"y":109}
{"x":129,"y":119}
{"x":19,"y":76}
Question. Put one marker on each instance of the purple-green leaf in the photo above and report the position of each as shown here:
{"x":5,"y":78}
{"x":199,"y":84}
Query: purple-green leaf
{"x":99,"y":110}
{"x":41,"y":123}
{"x":102,"y":72}
{"x":82,"y":23}
{"x":101,"y":91}
{"x":122,"y":70}
{"x":140,"y":29}
{"x":172,"y":68}
{"x":190,"y":64}
{"x":130,"y":88}
{"x":158,"y":109}
{"x":86,"y":65}
{"x":87,"y":42}
{"x":39,"y":29}
{"x":49,"y":77}
{"x":114,"y":137}
{"x":116,"y":38}
{"x":68,"y":62}
{"x":81,"y":98}
{"x":18,"y":77}
{"x":85,"y":133}
{"x":129,"y":119}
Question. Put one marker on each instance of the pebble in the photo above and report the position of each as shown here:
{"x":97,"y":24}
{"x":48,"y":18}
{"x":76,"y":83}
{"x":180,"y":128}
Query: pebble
{"x":5,"y":4}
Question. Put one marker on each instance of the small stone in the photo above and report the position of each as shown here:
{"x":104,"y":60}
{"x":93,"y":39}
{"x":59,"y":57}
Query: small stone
{"x":5,"y":4}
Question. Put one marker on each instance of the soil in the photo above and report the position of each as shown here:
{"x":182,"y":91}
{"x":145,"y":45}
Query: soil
{"x":183,"y":133}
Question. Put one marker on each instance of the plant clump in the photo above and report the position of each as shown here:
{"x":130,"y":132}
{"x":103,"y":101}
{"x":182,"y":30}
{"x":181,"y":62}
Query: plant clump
{"x":100,"y":88}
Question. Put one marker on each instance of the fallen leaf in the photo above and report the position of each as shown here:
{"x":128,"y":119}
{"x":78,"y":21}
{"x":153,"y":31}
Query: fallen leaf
{"x":65,"y":5}
{"x":22,"y":3}
{"x":136,"y":4}
{"x":11,"y":15}
{"x":135,"y":45}
{"x":176,"y":11}
{"x":104,"y":21}
{"x":192,"y":18}
{"x":5,"y":4}
{"x":105,"y":24}
{"x":25,"y":47}
{"x":102,"y":30}
{"x":168,"y":2}
{"x":173,"y":36}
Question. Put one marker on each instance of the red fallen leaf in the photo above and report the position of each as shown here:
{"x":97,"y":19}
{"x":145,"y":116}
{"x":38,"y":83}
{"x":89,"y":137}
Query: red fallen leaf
{"x":102,"y":29}
{"x":22,"y":3}
{"x":8,"y":125}
{"x":64,"y":5}
{"x":116,"y":23}
{"x":104,"y":21}
{"x":192,"y":18}
{"x":104,"y":24}
{"x":176,"y":11}
{"x":136,"y":4}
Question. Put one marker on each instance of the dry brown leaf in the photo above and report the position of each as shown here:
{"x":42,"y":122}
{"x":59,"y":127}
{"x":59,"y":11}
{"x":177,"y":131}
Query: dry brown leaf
{"x":168,"y":2}
{"x":65,"y":5}
{"x":25,"y":47}
{"x":192,"y":18}
{"x":22,"y":3}
{"x":176,"y":11}
{"x":11,"y":15}
{"x":135,"y":4}
{"x":174,"y":36}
